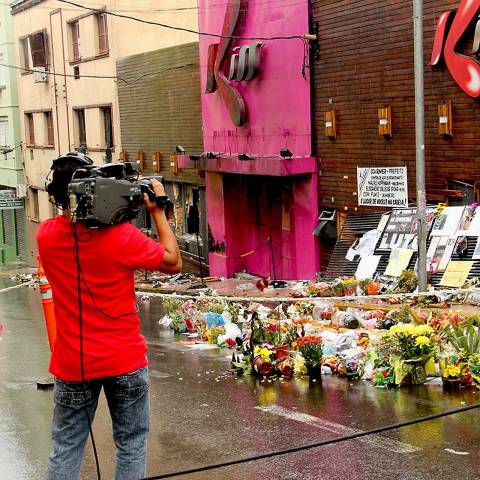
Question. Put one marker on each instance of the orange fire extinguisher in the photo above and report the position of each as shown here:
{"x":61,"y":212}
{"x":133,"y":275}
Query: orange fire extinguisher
{"x":47,"y":303}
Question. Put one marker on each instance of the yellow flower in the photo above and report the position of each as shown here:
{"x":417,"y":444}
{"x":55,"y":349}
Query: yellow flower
{"x":423,"y":330}
{"x":452,"y":371}
{"x":422,"y":340}
{"x":264,"y":353}
{"x":299,"y":366}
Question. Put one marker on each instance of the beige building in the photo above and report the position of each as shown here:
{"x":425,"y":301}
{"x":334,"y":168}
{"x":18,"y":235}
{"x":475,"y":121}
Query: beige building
{"x":75,"y":101}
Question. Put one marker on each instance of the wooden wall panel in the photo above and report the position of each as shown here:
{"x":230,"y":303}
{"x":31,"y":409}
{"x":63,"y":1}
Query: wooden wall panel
{"x":163,"y":110}
{"x":366,"y":63}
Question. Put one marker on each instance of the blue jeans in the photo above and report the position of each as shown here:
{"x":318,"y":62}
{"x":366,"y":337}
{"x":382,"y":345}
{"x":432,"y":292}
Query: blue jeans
{"x":128,"y":402}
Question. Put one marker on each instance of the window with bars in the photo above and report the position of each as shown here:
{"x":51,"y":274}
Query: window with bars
{"x":102,"y":33}
{"x":29,"y":129}
{"x":75,"y":31}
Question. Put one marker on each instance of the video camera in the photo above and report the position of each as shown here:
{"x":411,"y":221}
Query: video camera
{"x":110,"y":194}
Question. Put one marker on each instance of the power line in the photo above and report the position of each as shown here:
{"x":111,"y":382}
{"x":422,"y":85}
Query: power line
{"x":194,"y":9}
{"x":106,"y":77}
{"x":182,"y":29}
{"x":217,"y":6}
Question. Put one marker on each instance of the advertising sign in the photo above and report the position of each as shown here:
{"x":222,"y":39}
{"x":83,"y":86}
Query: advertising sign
{"x":382,"y":187}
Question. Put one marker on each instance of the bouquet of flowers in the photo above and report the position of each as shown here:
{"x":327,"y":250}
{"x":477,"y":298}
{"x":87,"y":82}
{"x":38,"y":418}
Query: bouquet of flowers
{"x":263,"y":360}
{"x":383,"y":377}
{"x":411,"y":352}
{"x":213,"y":333}
{"x":312,"y":351}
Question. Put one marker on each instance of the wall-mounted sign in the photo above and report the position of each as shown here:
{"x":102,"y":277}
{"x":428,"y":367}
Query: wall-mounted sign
{"x":463,"y":66}
{"x":244,"y":63}
{"x":10,"y":203}
{"x":382,"y":187}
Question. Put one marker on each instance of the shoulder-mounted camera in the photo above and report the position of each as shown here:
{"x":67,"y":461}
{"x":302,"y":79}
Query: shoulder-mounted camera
{"x":110,"y":194}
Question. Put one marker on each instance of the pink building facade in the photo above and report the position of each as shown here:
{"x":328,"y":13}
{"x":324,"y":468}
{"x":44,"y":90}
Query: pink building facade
{"x":261,"y":177}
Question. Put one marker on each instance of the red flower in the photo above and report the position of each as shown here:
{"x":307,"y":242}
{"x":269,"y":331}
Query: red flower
{"x":231,"y":343}
{"x":455,"y":319}
{"x":272,"y":328}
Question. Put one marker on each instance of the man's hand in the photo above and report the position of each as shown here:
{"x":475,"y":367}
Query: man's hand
{"x":159,"y":191}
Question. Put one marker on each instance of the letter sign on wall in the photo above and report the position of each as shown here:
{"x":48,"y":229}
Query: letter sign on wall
{"x":243,"y":65}
{"x":465,"y":69}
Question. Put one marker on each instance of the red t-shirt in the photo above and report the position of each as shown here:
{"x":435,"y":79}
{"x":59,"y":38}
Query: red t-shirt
{"x":109,"y":256}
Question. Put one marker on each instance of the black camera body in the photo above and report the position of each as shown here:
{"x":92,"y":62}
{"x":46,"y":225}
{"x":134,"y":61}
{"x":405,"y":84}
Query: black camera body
{"x":110,"y":194}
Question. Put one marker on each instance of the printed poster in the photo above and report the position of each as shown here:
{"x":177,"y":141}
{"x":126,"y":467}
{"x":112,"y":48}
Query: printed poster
{"x":439,"y":253}
{"x":367,"y":267}
{"x":469,"y":224}
{"x":456,"y":274}
{"x":398,"y":262}
{"x":448,"y":221}
{"x":401,"y":230}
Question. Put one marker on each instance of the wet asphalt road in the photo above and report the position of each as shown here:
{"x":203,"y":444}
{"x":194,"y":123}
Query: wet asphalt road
{"x":202,"y":415}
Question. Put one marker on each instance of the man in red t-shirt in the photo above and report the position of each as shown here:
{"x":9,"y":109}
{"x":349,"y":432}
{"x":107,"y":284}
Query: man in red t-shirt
{"x":112,"y":349}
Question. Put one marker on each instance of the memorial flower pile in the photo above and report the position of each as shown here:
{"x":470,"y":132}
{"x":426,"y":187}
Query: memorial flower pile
{"x":393,"y":344}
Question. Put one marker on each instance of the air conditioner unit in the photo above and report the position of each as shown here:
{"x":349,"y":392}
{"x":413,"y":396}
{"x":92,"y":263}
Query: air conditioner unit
{"x":40,"y":75}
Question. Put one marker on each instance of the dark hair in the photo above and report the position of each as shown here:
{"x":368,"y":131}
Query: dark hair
{"x":61,"y":177}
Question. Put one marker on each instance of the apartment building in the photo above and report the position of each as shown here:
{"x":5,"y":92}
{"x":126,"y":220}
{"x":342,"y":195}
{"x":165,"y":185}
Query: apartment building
{"x":70,"y":98}
{"x":12,"y":224}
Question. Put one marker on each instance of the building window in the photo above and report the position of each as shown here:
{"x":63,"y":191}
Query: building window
{"x":102,"y":33}
{"x":4,"y":132}
{"x":24,"y":53}
{"x":75,"y":30}
{"x":38,"y":48}
{"x":48,"y":121}
{"x":3,"y":74}
{"x":81,"y":132}
{"x":29,"y":129}
{"x":107,"y":126}
{"x":34,"y":210}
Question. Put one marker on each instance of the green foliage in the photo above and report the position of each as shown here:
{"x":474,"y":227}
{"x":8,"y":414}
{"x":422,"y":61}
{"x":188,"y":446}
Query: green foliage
{"x":464,"y":336}
{"x":407,"y":282}
{"x":172,"y":306}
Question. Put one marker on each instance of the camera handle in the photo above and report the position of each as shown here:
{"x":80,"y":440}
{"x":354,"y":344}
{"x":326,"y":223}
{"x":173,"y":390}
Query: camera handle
{"x":160,"y":201}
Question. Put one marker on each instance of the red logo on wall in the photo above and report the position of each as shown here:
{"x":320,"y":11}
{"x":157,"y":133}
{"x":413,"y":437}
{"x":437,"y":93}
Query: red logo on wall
{"x":465,"y":69}
{"x":243,"y":65}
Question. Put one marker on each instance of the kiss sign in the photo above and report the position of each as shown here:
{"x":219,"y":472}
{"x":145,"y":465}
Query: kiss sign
{"x":465,"y":69}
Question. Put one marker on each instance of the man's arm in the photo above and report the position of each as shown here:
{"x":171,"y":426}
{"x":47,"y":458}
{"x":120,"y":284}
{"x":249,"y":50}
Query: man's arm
{"x":172,"y":260}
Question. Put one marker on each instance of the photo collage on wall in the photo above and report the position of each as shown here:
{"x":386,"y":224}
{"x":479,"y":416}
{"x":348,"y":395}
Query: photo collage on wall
{"x":392,"y":248}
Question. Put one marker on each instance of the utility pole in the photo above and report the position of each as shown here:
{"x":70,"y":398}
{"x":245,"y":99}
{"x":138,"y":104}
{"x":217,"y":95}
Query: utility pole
{"x":420,"y":144}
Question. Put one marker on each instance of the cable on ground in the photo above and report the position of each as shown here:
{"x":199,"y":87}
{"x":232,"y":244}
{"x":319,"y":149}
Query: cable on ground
{"x":310,"y":446}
